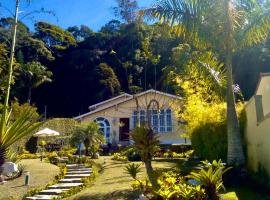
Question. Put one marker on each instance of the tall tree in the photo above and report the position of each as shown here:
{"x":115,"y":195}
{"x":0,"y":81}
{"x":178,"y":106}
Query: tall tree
{"x":126,"y":10}
{"x":108,"y":80}
{"x":80,"y":33}
{"x":33,"y":74}
{"x":226,"y":26}
{"x":54,"y":36}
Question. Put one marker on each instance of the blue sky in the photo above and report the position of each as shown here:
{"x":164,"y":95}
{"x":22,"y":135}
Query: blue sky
{"x":93,"y":13}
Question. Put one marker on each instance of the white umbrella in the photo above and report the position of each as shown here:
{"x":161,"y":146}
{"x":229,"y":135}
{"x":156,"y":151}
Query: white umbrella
{"x":46,"y":132}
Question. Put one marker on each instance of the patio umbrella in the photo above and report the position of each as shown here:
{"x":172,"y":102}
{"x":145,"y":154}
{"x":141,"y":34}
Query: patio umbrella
{"x":46,"y":132}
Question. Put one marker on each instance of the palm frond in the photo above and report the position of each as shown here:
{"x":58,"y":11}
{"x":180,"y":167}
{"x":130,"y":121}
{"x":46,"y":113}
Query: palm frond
{"x":257,"y":28}
{"x":184,"y":17}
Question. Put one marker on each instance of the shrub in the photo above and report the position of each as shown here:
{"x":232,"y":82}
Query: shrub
{"x":210,"y":177}
{"x":24,"y":154}
{"x":119,"y":157}
{"x":52,"y":157}
{"x":209,"y":141}
{"x":187,"y":154}
{"x":67,"y":152}
{"x":171,"y":187}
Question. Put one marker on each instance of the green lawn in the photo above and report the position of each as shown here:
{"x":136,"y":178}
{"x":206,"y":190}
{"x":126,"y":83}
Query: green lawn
{"x":114,"y":184}
{"x":40,"y":174}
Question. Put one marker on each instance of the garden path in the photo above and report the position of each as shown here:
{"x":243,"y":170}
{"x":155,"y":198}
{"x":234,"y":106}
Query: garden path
{"x":40,"y":174}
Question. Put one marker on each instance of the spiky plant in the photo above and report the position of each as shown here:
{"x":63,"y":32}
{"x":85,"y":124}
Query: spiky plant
{"x":146,"y":143}
{"x":133,"y":170}
{"x":210,"y":177}
{"x":14,"y":131}
{"x":226,"y":26}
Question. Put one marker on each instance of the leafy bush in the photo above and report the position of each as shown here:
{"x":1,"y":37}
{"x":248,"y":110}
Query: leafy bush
{"x":52,"y":157}
{"x":209,"y":141}
{"x":171,"y":187}
{"x":66,"y":152}
{"x":24,"y":154}
{"x":119,"y":157}
{"x":130,"y":153}
{"x":210,"y":177}
{"x":79,"y":160}
{"x":170,"y":154}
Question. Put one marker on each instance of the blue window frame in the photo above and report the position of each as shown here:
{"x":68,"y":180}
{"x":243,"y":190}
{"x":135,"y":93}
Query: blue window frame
{"x":154,"y":120}
{"x":162,"y":121}
{"x":168,"y":120}
{"x":142,"y":117}
{"x":105,"y":127}
{"x":134,"y":119}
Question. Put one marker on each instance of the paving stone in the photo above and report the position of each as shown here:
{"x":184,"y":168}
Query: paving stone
{"x":64,"y":185}
{"x":67,"y":176}
{"x":81,"y":169}
{"x":41,"y":197}
{"x":69,"y":166}
{"x":52,"y":191}
{"x":79,"y":172}
{"x":71,"y":180}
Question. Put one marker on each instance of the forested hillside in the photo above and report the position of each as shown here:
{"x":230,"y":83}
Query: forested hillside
{"x":68,"y":70}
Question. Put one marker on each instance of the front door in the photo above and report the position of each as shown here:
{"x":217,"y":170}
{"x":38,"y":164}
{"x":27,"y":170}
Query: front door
{"x":124,"y":129}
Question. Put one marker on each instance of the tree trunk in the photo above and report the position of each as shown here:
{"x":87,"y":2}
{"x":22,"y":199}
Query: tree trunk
{"x":150,"y":173}
{"x":2,"y":157}
{"x":235,"y":149}
{"x":86,"y":145}
{"x":29,"y":94}
{"x":2,"y":161}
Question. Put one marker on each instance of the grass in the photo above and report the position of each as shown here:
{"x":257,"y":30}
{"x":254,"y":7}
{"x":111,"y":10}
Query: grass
{"x":114,"y":183}
{"x":40,"y":174}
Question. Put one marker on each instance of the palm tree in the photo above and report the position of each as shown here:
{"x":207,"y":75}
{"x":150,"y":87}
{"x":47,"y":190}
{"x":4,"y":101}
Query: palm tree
{"x":89,"y":134}
{"x":34,"y":74}
{"x":225,"y":26}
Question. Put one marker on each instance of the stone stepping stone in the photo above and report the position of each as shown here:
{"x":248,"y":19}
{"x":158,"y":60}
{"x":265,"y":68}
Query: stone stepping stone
{"x":71,"y":180}
{"x":52,"y":191}
{"x":68,"y":176}
{"x":72,"y":166}
{"x":79,"y":172}
{"x":64,"y":185}
{"x":42,"y":197}
{"x":80,"y":169}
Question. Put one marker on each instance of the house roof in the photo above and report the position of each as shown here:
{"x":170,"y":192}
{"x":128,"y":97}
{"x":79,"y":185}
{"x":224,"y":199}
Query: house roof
{"x":109,"y":100}
{"x":260,"y":79}
{"x":129,"y":97}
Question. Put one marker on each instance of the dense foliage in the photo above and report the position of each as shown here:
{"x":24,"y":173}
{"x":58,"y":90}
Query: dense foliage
{"x":117,"y":59}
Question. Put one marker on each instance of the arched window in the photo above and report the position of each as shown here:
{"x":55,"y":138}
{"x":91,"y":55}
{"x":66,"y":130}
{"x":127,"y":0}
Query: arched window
{"x":105,"y":127}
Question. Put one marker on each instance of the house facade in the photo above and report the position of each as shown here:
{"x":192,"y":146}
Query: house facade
{"x":119,"y":115}
{"x":258,"y":126}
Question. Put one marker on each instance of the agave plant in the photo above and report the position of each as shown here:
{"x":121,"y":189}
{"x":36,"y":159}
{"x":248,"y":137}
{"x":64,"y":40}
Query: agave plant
{"x":133,"y":170}
{"x":210,"y":177}
{"x":12,"y":131}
